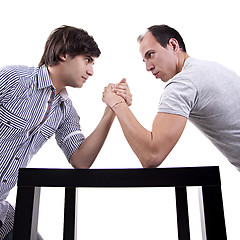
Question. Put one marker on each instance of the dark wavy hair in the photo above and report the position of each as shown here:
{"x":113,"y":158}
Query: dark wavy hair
{"x":163,"y":33}
{"x":68,"y":40}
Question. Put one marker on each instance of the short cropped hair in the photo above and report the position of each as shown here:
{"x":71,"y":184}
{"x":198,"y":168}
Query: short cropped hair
{"x":163,"y":33}
{"x":68,"y":40}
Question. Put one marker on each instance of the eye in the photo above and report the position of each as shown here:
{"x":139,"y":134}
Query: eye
{"x":149,"y":55}
{"x":89,"y":60}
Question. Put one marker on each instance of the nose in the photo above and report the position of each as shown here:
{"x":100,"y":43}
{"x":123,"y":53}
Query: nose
{"x":90,"y":70}
{"x":149,"y":66}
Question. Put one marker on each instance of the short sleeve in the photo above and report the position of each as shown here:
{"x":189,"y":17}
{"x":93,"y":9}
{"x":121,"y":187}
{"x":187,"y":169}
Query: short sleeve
{"x":179,"y":97}
{"x":69,"y":135}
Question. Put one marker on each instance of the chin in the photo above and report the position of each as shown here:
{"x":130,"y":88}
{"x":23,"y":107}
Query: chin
{"x":165,"y":79}
{"x":76,"y":86}
{"x":80,"y":85}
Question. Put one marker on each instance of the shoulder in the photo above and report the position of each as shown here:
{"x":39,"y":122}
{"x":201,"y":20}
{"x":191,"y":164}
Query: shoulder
{"x":17,"y":72}
{"x":196,"y":73}
{"x":15,"y":81}
{"x":8,"y":71}
{"x":192,"y":68}
{"x":201,"y":68}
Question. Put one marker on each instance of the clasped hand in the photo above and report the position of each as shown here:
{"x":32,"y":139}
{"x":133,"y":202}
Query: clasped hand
{"x":115,"y":93}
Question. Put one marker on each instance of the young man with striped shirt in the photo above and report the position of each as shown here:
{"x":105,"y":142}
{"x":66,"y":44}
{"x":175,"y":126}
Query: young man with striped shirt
{"x":34,"y":105}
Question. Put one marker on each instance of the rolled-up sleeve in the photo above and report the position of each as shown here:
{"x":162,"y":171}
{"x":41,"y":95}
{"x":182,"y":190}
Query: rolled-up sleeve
{"x":69,"y":135}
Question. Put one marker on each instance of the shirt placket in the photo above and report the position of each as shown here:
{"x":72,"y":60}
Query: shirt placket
{"x":50,"y":102}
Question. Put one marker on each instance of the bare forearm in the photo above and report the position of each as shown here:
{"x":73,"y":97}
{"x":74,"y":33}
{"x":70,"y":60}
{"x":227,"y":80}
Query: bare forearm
{"x":85,"y":155}
{"x":151,"y":147}
{"x":139,"y":138}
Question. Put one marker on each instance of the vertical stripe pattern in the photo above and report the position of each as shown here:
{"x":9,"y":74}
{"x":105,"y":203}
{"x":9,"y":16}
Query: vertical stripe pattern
{"x":27,"y":121}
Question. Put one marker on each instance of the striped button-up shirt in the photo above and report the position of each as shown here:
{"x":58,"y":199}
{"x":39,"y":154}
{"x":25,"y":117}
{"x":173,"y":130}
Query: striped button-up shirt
{"x":30,"y":114}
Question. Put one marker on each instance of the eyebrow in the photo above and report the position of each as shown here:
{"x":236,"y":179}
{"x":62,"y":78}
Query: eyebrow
{"x":91,"y":59}
{"x":147,"y":53}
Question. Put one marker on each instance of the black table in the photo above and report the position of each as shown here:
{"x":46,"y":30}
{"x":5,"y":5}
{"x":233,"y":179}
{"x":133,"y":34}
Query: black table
{"x":30,"y":182}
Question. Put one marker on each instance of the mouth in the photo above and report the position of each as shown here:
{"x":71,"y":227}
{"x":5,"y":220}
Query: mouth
{"x":155,"y":74}
{"x":85,"y":78}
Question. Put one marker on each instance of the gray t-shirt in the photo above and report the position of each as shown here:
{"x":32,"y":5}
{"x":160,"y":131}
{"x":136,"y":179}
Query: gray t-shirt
{"x":209,"y":95}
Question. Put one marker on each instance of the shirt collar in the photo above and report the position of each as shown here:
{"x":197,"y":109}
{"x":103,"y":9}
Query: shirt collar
{"x":44,"y":81}
{"x":64,"y":94}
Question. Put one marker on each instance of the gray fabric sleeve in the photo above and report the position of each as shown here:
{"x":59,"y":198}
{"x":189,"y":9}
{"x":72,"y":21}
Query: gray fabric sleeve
{"x":179,"y":97}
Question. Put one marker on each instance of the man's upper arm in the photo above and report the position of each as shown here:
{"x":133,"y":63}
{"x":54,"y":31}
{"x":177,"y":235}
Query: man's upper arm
{"x":166,"y":131}
{"x":69,"y":135}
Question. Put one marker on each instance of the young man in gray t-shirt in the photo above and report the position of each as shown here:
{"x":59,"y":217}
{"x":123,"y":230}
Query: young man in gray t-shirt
{"x":204,"y":92}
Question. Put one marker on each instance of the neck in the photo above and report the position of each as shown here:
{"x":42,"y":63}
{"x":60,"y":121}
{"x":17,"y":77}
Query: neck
{"x":181,"y":60}
{"x":55,"y":78}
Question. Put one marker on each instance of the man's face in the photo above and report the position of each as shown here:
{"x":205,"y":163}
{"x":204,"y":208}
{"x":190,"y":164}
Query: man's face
{"x":162,"y":62}
{"x":78,"y":70}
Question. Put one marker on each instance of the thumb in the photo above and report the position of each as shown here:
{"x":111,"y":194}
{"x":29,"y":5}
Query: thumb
{"x":123,"y":80}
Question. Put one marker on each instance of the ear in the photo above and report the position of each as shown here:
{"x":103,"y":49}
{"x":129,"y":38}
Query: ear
{"x":173,"y":43}
{"x":63,"y":57}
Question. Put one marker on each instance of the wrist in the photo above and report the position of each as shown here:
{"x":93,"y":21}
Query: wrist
{"x":117,"y":103}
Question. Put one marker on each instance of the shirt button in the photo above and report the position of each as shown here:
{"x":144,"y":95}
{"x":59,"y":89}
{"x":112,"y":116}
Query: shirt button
{"x":17,"y":158}
{"x":8,"y":122}
{"x":4,"y":180}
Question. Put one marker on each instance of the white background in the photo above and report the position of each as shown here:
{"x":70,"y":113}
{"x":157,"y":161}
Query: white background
{"x":210,"y":30}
